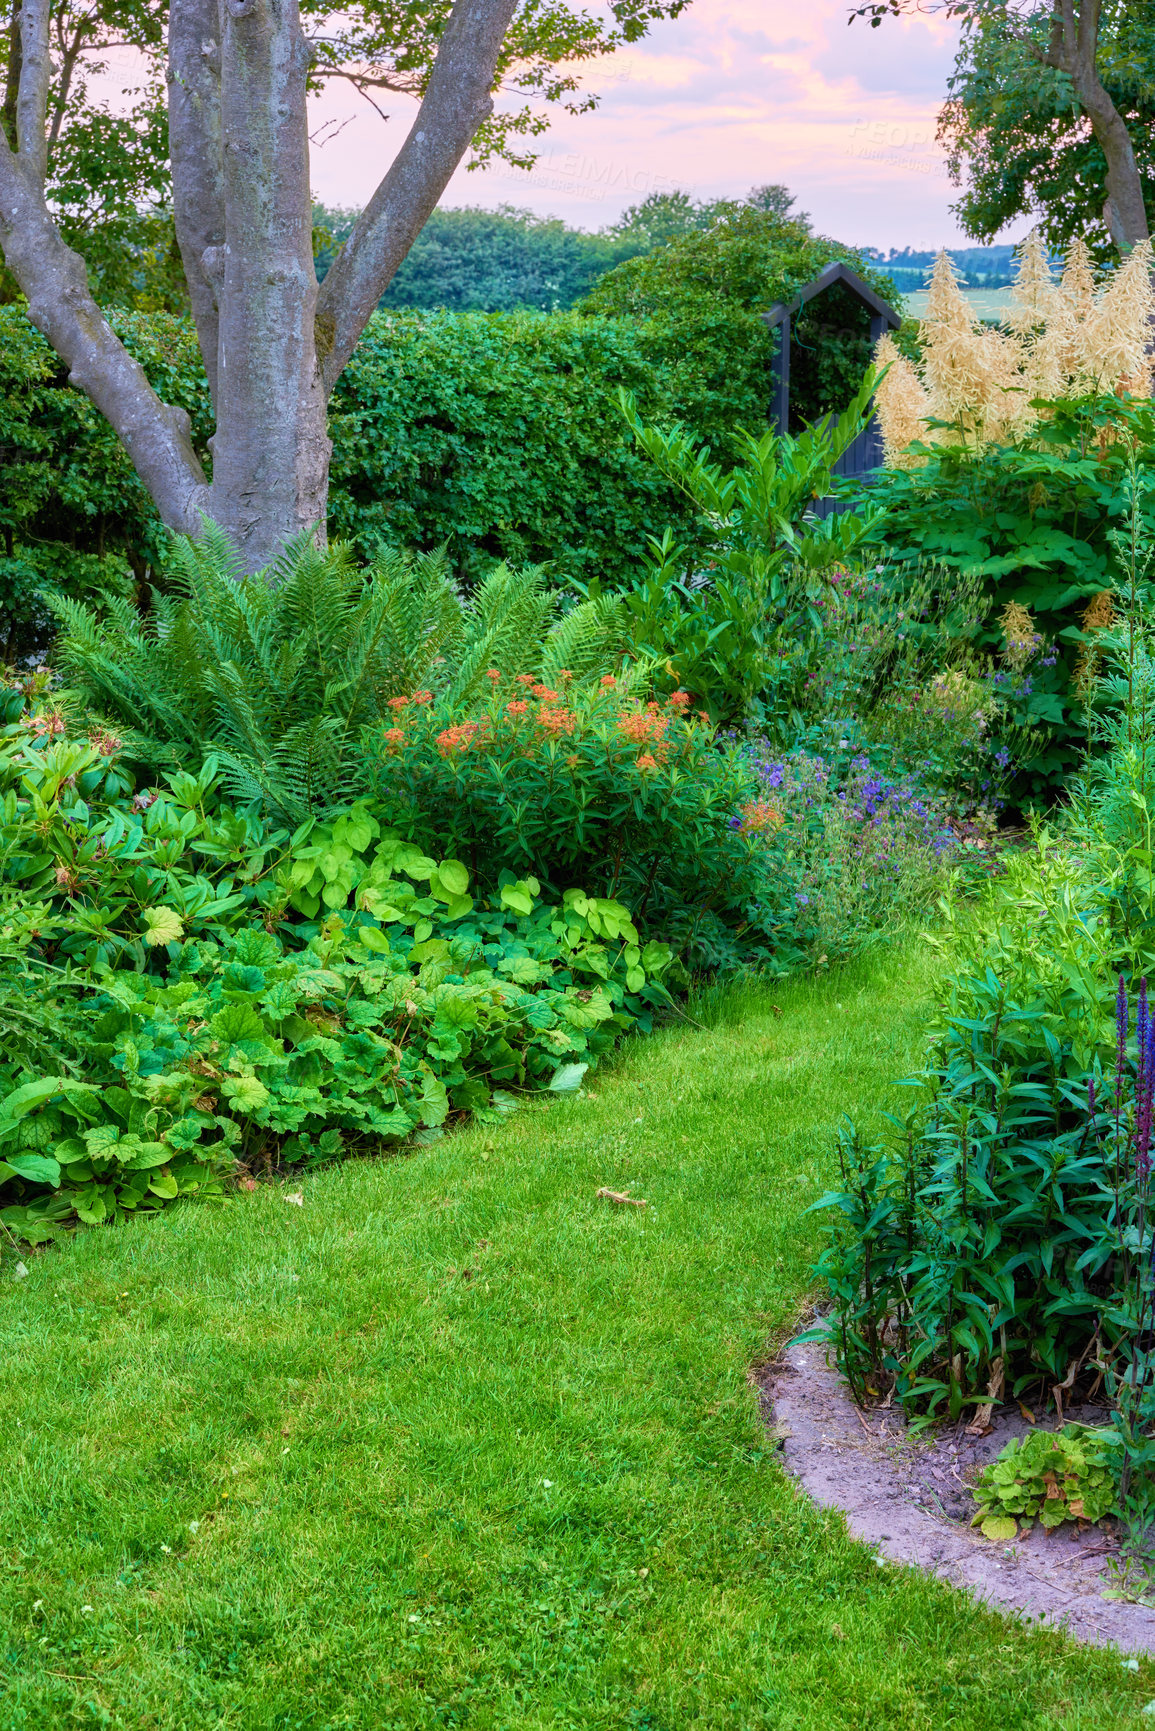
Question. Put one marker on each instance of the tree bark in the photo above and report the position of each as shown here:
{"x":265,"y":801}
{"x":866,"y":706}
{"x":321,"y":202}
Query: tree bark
{"x":240,"y":157}
{"x":1073,"y":50}
{"x":271,"y":449}
{"x":195,"y":154}
{"x":156,"y":437}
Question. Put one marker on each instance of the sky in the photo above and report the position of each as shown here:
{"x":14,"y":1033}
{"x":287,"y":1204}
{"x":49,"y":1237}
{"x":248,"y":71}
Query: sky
{"x":732,"y":94}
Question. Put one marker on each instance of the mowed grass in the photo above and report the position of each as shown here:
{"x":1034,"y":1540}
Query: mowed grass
{"x":455,"y":1443}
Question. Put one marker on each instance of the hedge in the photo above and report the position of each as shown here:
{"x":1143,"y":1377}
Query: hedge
{"x":498,"y":434}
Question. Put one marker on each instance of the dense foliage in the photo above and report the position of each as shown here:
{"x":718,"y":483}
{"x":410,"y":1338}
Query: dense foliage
{"x":587,"y":785}
{"x":700,"y":291}
{"x":498,"y":436}
{"x":183,"y":986}
{"x":1039,"y":522}
{"x":278,"y":680}
{"x":998,"y":1244}
{"x":1017,"y":142}
{"x":487,"y":261}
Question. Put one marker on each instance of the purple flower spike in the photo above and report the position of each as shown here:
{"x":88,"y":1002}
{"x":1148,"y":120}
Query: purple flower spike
{"x":1142,"y":1023}
{"x":1145,"y":1093}
{"x":1121,"y":1019}
{"x":1091,"y":1095}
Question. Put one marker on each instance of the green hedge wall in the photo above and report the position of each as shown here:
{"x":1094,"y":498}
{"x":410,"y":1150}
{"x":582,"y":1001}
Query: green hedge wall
{"x":497,"y":433}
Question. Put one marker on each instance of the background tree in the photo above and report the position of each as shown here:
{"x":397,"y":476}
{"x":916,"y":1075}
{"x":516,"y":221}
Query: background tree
{"x":1050,"y":101}
{"x":667,"y":216}
{"x":239,"y":73}
{"x":489,"y":261}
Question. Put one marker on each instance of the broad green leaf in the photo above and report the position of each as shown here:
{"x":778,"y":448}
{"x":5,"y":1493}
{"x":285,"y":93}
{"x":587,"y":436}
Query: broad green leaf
{"x":454,"y":877}
{"x":142,"y":1156}
{"x":162,"y":926}
{"x":245,"y":1093}
{"x":568,"y":1078}
{"x":36,"y":1168}
{"x":237,"y":1022}
{"x":23,"y":1100}
{"x":374,"y":939}
{"x":1000,"y":1529}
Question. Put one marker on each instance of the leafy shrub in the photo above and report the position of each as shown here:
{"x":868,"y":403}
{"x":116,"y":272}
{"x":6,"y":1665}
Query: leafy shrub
{"x":592,"y":785}
{"x":852,"y":855}
{"x":208,"y":989}
{"x":1035,"y":522}
{"x":245,"y":1051}
{"x":278,"y":679}
{"x":1064,"y":1475}
{"x":979,"y":1231}
{"x":730,"y":611}
{"x":702,"y":296}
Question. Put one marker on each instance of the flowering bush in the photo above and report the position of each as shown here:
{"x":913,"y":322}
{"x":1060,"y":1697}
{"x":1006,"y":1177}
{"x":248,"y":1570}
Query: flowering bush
{"x":851,"y":853}
{"x":599,"y":784}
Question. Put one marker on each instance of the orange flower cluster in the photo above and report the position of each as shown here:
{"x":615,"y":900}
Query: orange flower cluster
{"x":518,"y":708}
{"x":759,"y":815}
{"x":458,"y":738}
{"x":555,"y":721}
{"x":423,"y":697}
{"x":647,"y":761}
{"x":398,"y":703}
{"x":546,"y":695}
{"x":640,"y":727}
{"x":395,"y":735}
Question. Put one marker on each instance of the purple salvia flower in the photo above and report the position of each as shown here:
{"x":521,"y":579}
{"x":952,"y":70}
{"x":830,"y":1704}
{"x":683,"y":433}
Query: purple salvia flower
{"x":1145,"y":1092}
{"x":1142,"y":1021}
{"x":1121,"y":1019}
{"x":1091,"y":1095}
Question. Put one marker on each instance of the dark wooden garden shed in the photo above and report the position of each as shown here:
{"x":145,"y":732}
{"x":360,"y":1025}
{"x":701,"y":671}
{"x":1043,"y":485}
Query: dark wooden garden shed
{"x":866,"y":451}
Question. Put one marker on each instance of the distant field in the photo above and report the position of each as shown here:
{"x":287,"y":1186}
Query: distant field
{"x":987,"y":303}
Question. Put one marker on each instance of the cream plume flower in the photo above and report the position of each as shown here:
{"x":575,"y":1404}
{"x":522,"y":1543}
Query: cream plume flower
{"x":1061,"y":339}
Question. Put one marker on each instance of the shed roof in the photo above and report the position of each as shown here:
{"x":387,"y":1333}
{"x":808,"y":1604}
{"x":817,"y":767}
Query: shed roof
{"x":837,"y":272}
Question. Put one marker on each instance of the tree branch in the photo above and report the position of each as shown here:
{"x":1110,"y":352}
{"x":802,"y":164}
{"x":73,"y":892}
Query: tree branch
{"x":457,"y":100}
{"x":196,"y":155}
{"x":70,"y":54}
{"x":32,"y":94}
{"x":157,"y":438}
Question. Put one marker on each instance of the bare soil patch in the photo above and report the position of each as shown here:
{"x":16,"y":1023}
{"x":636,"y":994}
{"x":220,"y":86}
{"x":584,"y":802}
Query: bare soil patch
{"x":909,"y":1497}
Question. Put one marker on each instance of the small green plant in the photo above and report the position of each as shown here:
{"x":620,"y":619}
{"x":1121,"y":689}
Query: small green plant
{"x":412,"y":1008}
{"x":732,"y":613}
{"x":1056,"y":1476}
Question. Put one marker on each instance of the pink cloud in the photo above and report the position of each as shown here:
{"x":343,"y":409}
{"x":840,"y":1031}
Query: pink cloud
{"x":732,"y":93}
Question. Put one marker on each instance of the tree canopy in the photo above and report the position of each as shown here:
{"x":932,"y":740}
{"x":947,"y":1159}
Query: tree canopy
{"x":1049,"y":108}
{"x":1017,"y":139}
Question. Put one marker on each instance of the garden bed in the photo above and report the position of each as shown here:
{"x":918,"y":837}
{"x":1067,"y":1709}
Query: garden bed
{"x":910,"y":1498}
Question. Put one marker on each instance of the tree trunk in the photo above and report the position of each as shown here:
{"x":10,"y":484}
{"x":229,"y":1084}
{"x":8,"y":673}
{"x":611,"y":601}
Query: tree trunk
{"x":239,"y":144}
{"x":271,"y":448}
{"x":1073,"y":49}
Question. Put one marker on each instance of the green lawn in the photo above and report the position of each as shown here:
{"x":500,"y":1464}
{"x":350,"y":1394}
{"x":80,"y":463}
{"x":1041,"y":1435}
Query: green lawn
{"x":457,"y":1444}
